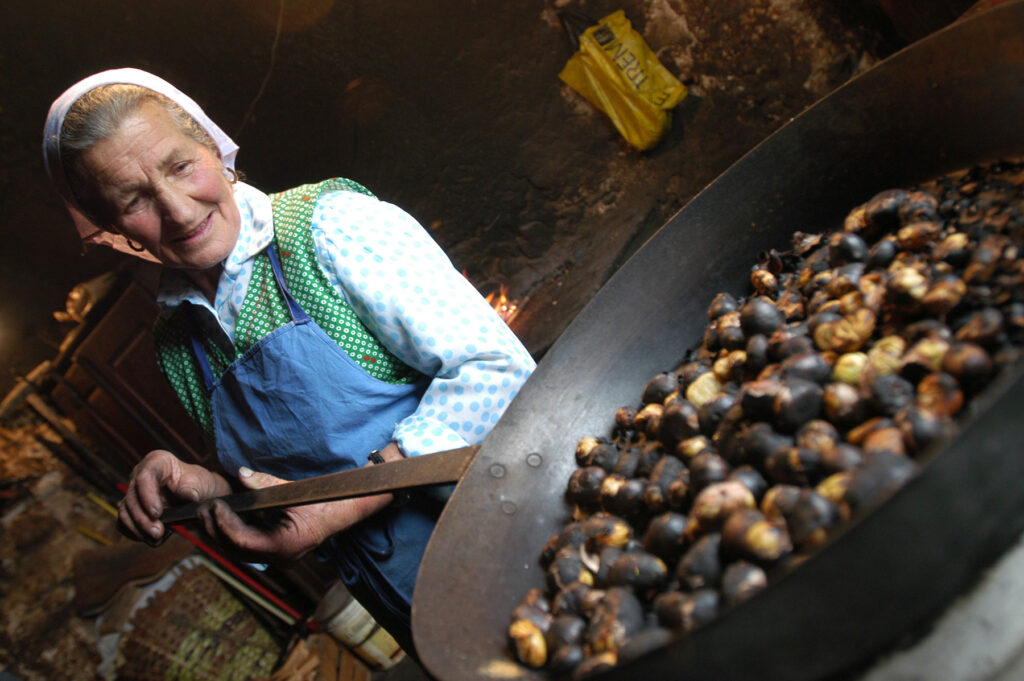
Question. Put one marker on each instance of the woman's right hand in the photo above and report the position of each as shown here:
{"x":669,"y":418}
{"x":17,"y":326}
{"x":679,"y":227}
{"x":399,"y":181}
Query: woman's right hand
{"x":161,"y":480}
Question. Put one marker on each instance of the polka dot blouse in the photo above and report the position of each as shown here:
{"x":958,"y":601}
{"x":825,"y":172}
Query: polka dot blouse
{"x":407,"y":293}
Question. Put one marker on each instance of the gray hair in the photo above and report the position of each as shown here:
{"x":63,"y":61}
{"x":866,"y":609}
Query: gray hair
{"x":97,"y":115}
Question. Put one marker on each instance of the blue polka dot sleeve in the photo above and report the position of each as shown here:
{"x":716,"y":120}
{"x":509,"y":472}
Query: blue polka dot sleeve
{"x":406,"y":291}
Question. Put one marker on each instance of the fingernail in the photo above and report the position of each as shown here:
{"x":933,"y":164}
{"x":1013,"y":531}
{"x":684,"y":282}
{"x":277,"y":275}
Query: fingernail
{"x":193,"y":494}
{"x":155,"y":531}
{"x":244,"y":472}
{"x":154,"y":511}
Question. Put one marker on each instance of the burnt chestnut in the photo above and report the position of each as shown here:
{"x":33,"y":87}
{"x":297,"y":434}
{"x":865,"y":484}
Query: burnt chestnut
{"x":629,"y":461}
{"x":722,"y":304}
{"x":684,"y":612}
{"x":794,"y":466}
{"x":715,"y":502}
{"x":679,"y":489}
{"x":834,"y":488}
{"x":601,"y":563}
{"x":888,"y":439}
{"x":890,"y":393}
{"x":741,"y":580}
{"x":604,"y":529}
{"x":811,"y":519}
{"x":757,"y":398}
{"x":567,"y":567}
{"x":819,"y":435}
{"x":845,"y":247}
{"x":916,"y":236}
{"x":707,"y":468}
{"x":648,"y":419}
{"x":750,"y":478}
{"x":615,"y":618}
{"x":757,"y":441}
{"x":679,"y":421}
{"x":656,"y":495}
{"x":584,"y":488}
{"x":641,"y":571}
{"x":713,"y":412}
{"x":792,"y":306}
{"x":730,"y":334}
{"x":879,"y":476}
{"x":659,"y":387}
{"x":924,"y":357}
{"x":566,"y":659}
{"x":921,"y":427}
{"x":969,"y":363}
{"x":751,"y":535}
{"x":944,"y":294}
{"x":842,"y":457}
{"x":982,"y":328}
{"x":701,"y":565}
{"x":666,"y":535}
{"x":940,"y":394}
{"x":576,"y":598}
{"x":797,"y":401}
{"x":628,"y":501}
{"x":764,"y":282}
{"x":688,"y":372}
{"x":760,"y":316}
{"x":918,"y":206}
{"x":809,"y":366}
{"x":757,"y":353}
{"x":570,"y":535}
{"x":882,"y":254}
{"x":881,"y":213}
{"x":691,"y":447}
{"x":624,"y":417}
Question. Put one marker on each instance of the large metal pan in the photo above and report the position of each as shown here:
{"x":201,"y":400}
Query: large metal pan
{"x":950,"y":100}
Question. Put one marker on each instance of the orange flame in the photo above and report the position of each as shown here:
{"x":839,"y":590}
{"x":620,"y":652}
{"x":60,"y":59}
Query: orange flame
{"x":505,"y":308}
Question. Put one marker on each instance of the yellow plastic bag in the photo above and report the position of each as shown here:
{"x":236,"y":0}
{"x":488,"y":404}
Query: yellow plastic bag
{"x":615,"y":70}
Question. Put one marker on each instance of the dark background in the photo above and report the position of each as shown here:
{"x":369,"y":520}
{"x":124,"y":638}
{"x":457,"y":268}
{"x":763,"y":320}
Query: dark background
{"x":449,"y":108}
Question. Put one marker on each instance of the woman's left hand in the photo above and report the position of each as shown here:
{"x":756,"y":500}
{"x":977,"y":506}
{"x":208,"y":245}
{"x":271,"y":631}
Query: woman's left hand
{"x":298,"y":530}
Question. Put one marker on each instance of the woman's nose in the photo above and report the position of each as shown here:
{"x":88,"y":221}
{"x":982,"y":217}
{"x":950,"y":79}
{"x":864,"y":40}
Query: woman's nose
{"x":175,"y":206}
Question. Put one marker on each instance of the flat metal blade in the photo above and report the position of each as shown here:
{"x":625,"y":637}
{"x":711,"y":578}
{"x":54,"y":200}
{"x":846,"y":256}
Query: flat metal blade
{"x":418,"y":471}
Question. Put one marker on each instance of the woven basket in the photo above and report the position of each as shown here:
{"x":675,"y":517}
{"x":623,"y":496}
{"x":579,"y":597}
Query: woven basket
{"x":197,"y":631}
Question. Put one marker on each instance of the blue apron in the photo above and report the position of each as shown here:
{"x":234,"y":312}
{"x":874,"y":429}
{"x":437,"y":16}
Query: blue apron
{"x":296,"y":405}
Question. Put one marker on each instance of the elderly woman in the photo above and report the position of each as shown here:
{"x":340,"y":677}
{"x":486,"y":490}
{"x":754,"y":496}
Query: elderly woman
{"x":309,"y":331}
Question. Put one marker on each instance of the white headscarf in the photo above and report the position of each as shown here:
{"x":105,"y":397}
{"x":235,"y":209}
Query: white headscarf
{"x":88,"y":230}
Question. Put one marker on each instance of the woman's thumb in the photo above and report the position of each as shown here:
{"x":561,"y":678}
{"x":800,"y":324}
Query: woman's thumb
{"x":256,"y":480}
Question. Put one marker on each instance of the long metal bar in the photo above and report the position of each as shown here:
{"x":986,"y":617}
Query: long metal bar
{"x":418,"y":471}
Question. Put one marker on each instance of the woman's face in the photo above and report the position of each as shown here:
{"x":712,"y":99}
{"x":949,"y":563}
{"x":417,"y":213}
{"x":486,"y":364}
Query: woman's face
{"x":165,"y":191}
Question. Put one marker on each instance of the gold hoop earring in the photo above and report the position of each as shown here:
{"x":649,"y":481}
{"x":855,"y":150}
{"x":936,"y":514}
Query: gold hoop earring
{"x":234,"y":175}
{"x":134,"y":246}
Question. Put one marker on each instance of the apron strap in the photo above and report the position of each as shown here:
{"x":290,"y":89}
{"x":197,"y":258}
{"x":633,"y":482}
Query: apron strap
{"x":299,"y":315}
{"x":197,"y":347}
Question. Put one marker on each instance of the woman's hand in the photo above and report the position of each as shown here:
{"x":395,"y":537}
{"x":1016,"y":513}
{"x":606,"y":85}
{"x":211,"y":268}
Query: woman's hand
{"x":161,"y":480}
{"x":299,"y":529}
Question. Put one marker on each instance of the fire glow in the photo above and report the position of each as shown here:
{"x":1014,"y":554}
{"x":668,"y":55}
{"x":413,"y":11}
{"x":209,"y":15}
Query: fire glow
{"x":505,"y":308}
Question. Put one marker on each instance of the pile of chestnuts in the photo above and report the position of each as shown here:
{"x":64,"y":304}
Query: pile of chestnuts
{"x":810,"y":400}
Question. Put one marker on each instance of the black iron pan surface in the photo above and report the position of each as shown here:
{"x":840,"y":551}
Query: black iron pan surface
{"x":948,"y":101}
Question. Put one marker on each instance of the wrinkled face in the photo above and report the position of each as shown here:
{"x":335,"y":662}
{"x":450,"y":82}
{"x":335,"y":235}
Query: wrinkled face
{"x":165,"y":191}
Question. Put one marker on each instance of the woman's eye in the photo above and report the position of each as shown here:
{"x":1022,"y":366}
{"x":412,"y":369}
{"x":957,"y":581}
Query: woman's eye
{"x":182,"y":167}
{"x":134,"y":205}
